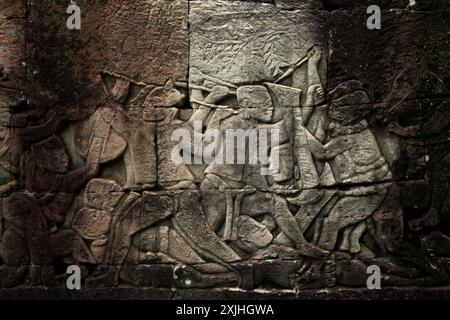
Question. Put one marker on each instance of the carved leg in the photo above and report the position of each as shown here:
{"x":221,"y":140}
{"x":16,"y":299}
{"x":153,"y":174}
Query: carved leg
{"x":351,"y":236}
{"x":347,"y":211}
{"x":345,"y":245}
{"x":128,"y":217}
{"x":143,"y":153}
{"x":287,"y":222}
{"x":38,"y":238}
{"x":129,"y":169}
{"x":15,"y":256}
{"x":355,"y":235}
{"x":191,"y":224}
{"x":214,"y":202}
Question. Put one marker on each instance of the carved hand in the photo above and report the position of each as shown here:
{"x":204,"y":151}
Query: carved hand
{"x":285,"y":191}
{"x":315,"y":54}
{"x":217,"y":94}
{"x":315,"y":95}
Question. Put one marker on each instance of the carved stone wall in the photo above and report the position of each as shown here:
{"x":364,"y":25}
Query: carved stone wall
{"x":112,"y":136}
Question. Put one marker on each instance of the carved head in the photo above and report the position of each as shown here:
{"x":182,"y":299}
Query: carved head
{"x":162,"y":102}
{"x":255,"y":103}
{"x":349,"y":103}
{"x":51,"y":154}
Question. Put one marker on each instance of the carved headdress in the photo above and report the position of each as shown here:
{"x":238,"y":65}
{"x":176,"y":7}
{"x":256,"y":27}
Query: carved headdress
{"x":349,"y":103}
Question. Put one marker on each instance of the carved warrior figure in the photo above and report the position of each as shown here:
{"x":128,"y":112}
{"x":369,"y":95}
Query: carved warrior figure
{"x":220,"y":180}
{"x":222,"y":204}
{"x":177,"y":211}
{"x":187,"y":222}
{"x":426,"y":139}
{"x":40,"y":212}
{"x":129,"y":132}
{"x":93,"y":221}
{"x":33,"y":218}
{"x":17,"y":132}
{"x":431,"y":137}
{"x":355,"y":158}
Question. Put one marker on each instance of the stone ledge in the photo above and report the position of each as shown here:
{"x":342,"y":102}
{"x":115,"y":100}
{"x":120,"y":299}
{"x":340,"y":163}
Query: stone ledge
{"x":128,"y":293}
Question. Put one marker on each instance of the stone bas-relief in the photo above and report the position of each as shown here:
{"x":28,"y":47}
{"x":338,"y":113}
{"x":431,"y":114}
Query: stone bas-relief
{"x":319,"y":204}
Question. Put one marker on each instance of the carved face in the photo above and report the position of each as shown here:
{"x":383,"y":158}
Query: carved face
{"x":160,"y":105}
{"x":347,"y":115}
{"x":261,"y":114}
{"x":255,"y":102}
{"x":51,"y":155}
{"x":161,"y":115}
{"x":349,"y":103}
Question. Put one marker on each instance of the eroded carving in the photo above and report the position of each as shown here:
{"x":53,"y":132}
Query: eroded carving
{"x":312,"y":208}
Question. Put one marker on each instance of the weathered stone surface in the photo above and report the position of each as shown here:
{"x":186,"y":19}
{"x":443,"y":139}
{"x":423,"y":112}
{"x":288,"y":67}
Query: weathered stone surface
{"x":10,"y":153}
{"x":238,"y":42}
{"x":12,"y":68}
{"x":224,"y":149}
{"x":12,"y":52}
{"x":406,"y":59}
{"x":143,"y":41}
{"x":13,"y":9}
{"x":387,"y":4}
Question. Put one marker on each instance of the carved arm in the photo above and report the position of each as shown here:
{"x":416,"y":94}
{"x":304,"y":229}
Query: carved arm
{"x":331,"y":149}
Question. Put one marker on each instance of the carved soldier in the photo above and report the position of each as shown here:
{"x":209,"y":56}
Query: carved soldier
{"x":139,"y":216}
{"x":18,"y":131}
{"x":93,"y":221}
{"x":355,"y":158}
{"x":21,"y":130}
{"x":128,"y":132}
{"x":255,"y":108}
{"x":433,"y":137}
{"x":39,"y":212}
